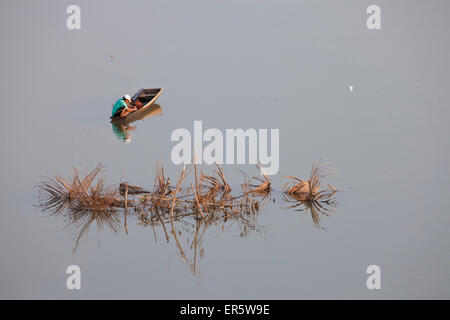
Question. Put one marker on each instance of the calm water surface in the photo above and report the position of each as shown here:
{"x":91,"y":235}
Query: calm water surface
{"x":231,"y":64}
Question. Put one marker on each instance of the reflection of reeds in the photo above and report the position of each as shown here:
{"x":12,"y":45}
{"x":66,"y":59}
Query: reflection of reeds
{"x":315,"y":208}
{"x":79,"y":222}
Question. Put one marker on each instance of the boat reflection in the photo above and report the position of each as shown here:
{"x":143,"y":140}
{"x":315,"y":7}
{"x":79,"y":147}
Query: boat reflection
{"x":122,"y":127}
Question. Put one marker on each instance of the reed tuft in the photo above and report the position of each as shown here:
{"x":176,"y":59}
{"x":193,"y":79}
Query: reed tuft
{"x":77,"y":193}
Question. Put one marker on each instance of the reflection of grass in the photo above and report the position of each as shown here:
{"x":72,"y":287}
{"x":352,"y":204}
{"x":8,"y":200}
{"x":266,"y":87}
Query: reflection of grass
{"x":315,"y":208}
{"x":79,"y":222}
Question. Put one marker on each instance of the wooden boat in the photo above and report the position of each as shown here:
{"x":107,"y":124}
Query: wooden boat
{"x":146,"y":97}
{"x":122,"y":126}
{"x":150,"y":111}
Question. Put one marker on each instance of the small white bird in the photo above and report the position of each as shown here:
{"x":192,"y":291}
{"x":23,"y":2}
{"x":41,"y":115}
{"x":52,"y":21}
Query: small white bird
{"x":350,"y":88}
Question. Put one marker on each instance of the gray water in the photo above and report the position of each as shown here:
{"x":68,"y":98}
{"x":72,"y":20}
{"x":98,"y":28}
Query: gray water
{"x":232,"y":64}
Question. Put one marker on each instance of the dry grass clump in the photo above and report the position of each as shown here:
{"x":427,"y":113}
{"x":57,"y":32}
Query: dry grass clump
{"x":162,"y":184}
{"x":183,"y":211}
{"x":207,"y":194}
{"x":312,"y":189}
{"x":78,"y":193}
{"x":83,"y":201}
{"x":263,"y":188}
{"x":215,"y":186}
{"x":309,"y":195}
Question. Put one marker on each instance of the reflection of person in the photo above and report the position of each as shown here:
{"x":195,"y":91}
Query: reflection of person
{"x":122,"y":132}
{"x":123,"y":107}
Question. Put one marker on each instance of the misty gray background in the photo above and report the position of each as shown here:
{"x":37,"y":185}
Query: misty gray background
{"x":233,"y":64}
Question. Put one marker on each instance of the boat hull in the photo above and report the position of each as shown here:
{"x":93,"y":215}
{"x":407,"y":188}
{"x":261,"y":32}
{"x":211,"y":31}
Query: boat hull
{"x":145,"y":96}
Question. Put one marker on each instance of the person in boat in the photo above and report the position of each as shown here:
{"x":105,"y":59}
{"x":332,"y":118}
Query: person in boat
{"x":123,"y":107}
